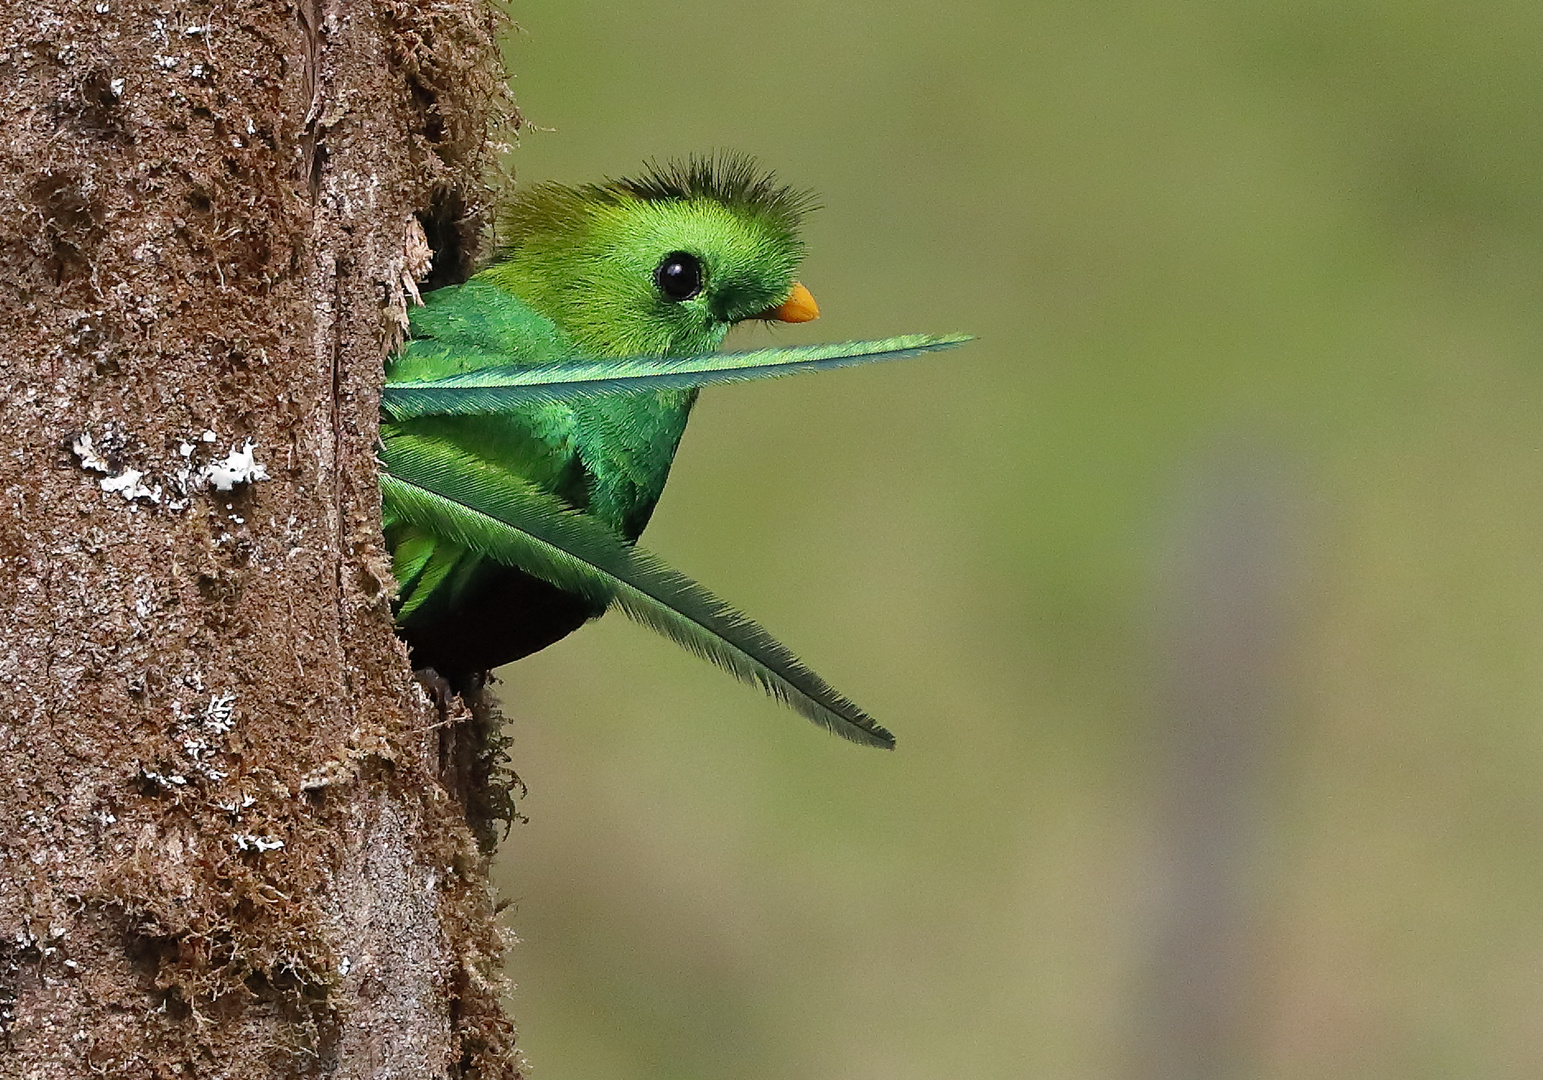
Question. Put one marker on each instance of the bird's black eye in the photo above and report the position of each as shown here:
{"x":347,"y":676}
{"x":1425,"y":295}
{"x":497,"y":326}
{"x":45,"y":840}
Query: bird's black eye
{"x":679,"y":276}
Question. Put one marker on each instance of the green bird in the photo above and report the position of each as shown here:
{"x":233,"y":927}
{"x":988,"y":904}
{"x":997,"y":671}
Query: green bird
{"x":530,"y":421}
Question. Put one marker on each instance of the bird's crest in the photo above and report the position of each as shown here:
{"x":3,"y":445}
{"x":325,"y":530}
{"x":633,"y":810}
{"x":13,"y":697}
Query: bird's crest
{"x":734,"y":180}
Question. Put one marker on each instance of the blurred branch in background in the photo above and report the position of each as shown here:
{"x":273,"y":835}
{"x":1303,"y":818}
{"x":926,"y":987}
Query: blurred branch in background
{"x":1227,"y":590}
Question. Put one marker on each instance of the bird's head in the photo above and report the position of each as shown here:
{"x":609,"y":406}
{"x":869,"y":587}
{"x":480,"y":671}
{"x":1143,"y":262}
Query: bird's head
{"x":663,"y":264}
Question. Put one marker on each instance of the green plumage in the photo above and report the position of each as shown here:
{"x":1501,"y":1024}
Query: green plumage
{"x":531,"y":420}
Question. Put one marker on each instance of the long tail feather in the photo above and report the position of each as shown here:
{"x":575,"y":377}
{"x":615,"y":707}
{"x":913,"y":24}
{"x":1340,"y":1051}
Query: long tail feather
{"x":500,"y":387}
{"x":452,"y":494}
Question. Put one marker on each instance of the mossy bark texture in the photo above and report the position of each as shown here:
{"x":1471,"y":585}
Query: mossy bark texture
{"x":234,"y":837}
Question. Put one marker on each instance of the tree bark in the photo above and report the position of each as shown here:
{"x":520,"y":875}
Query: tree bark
{"x":235,"y":839}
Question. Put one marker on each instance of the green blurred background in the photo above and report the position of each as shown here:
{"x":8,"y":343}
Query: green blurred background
{"x":1203,"y":591}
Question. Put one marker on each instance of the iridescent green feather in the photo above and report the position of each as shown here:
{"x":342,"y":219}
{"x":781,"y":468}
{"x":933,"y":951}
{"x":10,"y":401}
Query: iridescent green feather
{"x":482,"y":508}
{"x":488,"y":387}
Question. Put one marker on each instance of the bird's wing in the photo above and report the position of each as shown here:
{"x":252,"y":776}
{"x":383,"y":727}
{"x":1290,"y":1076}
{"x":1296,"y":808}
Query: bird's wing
{"x":473,"y":325}
{"x":496,"y":386}
{"x":452,"y":494}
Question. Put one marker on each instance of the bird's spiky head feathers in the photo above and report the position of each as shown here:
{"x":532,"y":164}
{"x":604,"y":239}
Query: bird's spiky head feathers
{"x":661,"y":264}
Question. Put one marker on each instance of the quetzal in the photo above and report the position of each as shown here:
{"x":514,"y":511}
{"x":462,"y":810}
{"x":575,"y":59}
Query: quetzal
{"x":531,"y":419}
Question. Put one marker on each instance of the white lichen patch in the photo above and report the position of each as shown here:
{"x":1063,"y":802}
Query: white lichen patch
{"x":130,"y":484}
{"x":219,"y":715}
{"x":235,"y":806}
{"x":259,"y":844}
{"x":240,"y":466}
{"x":202,"y":735}
{"x":85,"y":449}
{"x":160,"y":779}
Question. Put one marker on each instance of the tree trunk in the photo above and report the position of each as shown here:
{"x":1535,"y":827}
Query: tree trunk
{"x":235,"y":840}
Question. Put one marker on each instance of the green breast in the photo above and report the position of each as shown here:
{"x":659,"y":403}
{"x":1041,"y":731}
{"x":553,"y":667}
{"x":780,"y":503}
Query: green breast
{"x":610,"y":457}
{"x":627,"y":443}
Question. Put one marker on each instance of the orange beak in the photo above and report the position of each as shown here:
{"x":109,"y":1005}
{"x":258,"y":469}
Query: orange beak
{"x":798,"y":307}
